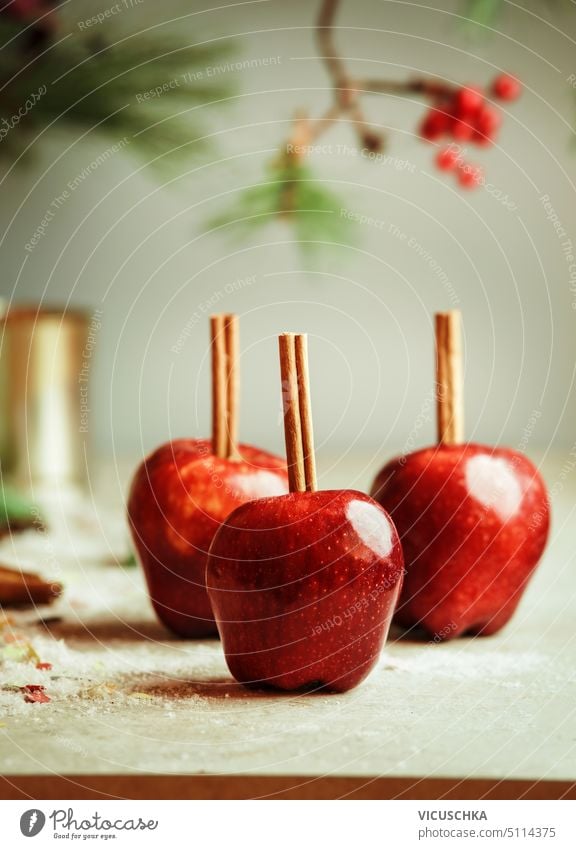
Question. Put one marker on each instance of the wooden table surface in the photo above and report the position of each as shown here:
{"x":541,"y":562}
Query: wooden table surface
{"x":128,"y":700}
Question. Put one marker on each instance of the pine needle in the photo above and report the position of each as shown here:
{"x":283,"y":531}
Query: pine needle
{"x":140,"y":87}
{"x":293,"y":195}
{"x":15,"y":510}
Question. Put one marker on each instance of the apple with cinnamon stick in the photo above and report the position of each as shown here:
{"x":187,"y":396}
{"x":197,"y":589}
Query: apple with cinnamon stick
{"x":473,"y":520}
{"x":303,"y":586}
{"x":182,"y":492}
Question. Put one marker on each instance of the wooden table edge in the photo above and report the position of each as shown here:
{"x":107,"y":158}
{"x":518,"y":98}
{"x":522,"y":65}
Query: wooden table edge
{"x":69,"y":787}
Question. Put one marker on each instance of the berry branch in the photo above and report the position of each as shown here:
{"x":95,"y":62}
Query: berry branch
{"x":460,"y":114}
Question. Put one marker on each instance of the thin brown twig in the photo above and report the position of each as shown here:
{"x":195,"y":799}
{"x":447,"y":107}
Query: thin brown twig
{"x":348,"y":92}
{"x":423,"y":87}
{"x":347,"y":104}
{"x":327,"y":48}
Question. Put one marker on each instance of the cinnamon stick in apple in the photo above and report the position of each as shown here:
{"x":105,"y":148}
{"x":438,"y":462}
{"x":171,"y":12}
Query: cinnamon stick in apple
{"x":449,"y":382}
{"x":218,"y":346}
{"x":225,"y":384}
{"x":231,"y":332}
{"x":305,"y":409}
{"x":298,"y":431}
{"x":24,"y":589}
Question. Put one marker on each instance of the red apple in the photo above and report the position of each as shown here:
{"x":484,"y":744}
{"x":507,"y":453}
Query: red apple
{"x":179,"y":496}
{"x":473,"y":522}
{"x":303,"y":588}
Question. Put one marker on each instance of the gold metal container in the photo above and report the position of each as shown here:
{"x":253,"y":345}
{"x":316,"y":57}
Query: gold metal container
{"x":44,"y":366}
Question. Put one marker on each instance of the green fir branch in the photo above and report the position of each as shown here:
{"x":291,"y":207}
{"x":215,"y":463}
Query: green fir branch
{"x":16,"y":511}
{"x":142,"y":88}
{"x":292,"y":195}
{"x":482,"y":12}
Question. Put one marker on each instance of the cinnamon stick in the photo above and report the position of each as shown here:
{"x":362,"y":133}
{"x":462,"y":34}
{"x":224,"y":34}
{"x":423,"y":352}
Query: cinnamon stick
{"x":232,"y":383}
{"x":219,"y":400}
{"x":449,"y":383}
{"x":24,"y":589}
{"x":225,"y":384}
{"x":305,"y":407}
{"x":297,"y":413}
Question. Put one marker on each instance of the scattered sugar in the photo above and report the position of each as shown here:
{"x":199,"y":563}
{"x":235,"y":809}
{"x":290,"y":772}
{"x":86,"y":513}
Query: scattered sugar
{"x":111,"y":658}
{"x":466,"y":663}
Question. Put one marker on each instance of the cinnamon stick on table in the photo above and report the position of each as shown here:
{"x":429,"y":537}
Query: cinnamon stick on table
{"x":25,"y":589}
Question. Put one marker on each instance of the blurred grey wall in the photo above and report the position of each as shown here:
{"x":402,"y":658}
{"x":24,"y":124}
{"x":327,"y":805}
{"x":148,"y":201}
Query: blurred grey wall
{"x":136,"y":249}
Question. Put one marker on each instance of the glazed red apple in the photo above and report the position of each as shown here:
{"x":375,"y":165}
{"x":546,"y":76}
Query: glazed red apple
{"x":186,"y":488}
{"x":304,"y":587}
{"x":473,"y":522}
{"x":178,"y":499}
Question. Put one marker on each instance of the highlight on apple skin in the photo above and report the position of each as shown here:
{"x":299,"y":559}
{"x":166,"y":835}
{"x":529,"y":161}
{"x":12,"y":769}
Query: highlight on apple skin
{"x":303,"y":587}
{"x":473,"y":522}
{"x":183,"y":491}
{"x":179,"y":496}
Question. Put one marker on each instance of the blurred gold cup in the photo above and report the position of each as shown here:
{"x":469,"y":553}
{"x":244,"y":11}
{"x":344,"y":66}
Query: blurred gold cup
{"x":44,"y":404}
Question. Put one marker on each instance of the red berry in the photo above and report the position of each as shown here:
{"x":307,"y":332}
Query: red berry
{"x":26,"y":9}
{"x":488,"y":121}
{"x":506,"y":87}
{"x":428,"y":130}
{"x":435,"y":123}
{"x":482,"y":140}
{"x":447,"y":159}
{"x":469,"y":100}
{"x":462,"y":130}
{"x":469,"y":176}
